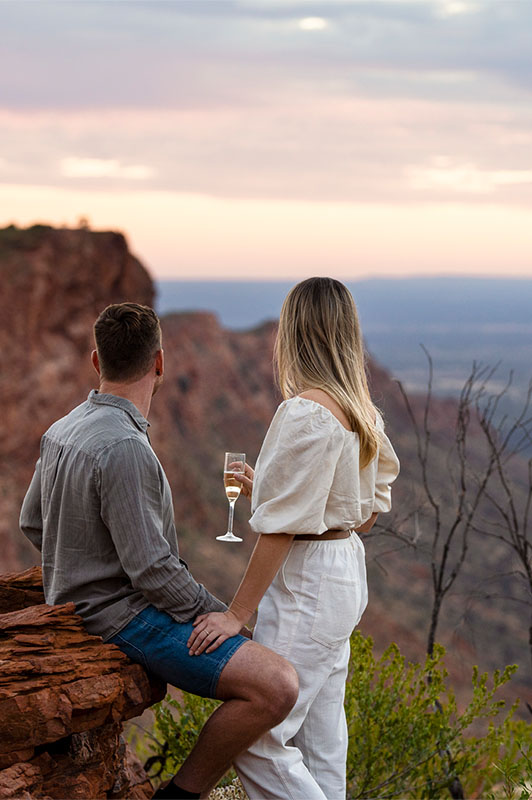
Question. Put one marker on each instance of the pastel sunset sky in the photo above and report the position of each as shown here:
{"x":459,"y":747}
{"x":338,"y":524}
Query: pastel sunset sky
{"x":275,"y":139}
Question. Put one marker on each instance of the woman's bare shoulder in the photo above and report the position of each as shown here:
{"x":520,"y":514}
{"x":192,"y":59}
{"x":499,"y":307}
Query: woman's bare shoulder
{"x":324,"y":399}
{"x":320,"y":396}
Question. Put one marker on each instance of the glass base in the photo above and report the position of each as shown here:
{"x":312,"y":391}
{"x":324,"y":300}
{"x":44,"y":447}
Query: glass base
{"x":229,"y":537}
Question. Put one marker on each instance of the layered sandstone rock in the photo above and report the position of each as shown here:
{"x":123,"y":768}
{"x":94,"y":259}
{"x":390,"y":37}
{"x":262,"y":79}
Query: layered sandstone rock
{"x":63,"y":697}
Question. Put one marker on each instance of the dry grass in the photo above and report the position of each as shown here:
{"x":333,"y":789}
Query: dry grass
{"x":235,"y":791}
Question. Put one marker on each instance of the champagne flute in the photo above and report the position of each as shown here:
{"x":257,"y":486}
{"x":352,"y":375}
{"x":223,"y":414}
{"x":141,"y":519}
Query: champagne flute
{"x":234,"y":463}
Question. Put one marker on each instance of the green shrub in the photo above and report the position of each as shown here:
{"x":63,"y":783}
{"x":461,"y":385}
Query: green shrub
{"x":406,"y":736}
{"x":513,"y":771}
{"x":14,"y":238}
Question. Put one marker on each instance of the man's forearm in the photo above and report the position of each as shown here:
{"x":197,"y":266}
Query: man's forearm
{"x":210,"y":602}
{"x":170,"y":587}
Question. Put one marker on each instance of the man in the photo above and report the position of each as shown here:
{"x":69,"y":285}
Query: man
{"x":99,"y":509}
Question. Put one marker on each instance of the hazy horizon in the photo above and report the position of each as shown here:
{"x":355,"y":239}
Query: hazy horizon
{"x":378,"y":278}
{"x":459,"y":321}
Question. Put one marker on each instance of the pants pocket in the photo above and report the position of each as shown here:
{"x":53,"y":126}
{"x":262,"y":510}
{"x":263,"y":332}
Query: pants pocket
{"x":338,"y":610}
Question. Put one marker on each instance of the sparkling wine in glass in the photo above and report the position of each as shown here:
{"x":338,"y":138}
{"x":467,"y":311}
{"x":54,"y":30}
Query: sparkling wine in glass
{"x":234,"y":463}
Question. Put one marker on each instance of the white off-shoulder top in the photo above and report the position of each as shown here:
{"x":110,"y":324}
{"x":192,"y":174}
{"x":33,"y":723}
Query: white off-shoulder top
{"x":307,"y":476}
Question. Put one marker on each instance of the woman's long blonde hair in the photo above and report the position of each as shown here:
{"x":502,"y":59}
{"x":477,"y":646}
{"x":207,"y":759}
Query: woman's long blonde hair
{"x":319,"y":346}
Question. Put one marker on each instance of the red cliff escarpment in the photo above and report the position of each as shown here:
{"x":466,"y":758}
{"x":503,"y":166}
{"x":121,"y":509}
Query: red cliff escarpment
{"x":54,"y":284}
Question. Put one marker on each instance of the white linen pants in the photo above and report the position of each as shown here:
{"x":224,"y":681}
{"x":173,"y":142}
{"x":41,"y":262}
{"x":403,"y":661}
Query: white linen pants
{"x":307,"y":615}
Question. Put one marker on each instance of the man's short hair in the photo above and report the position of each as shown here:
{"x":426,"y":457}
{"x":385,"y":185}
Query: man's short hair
{"x":127,"y":337}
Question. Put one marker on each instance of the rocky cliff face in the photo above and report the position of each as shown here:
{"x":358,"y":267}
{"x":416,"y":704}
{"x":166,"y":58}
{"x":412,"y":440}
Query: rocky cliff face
{"x":54,"y":284}
{"x":63,"y":698}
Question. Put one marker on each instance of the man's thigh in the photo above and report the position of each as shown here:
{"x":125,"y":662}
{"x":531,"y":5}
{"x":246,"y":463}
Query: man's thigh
{"x":159,"y":643}
{"x":254,"y":670}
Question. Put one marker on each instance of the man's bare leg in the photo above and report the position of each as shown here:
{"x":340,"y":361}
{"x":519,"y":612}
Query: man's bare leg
{"x":259,"y":688}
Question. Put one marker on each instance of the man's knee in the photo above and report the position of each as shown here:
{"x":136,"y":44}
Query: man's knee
{"x":286,"y":689}
{"x":277,"y":689}
{"x":259,"y":675}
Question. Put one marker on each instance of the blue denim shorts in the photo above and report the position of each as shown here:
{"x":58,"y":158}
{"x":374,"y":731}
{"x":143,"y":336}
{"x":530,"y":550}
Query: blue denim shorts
{"x":159,"y":643}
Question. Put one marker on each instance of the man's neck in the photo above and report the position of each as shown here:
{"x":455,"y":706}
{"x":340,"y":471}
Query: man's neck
{"x":139,"y":393}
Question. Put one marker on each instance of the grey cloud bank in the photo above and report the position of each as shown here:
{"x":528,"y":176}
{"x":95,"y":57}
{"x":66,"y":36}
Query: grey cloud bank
{"x":185,"y":54}
{"x":389,"y":101}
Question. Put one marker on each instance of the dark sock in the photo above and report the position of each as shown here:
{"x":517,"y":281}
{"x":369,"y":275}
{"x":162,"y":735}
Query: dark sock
{"x":174,"y":792}
{"x":183,"y":793}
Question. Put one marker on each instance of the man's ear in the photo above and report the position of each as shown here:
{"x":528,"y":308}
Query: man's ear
{"x":159,"y":362}
{"x":95,"y":361}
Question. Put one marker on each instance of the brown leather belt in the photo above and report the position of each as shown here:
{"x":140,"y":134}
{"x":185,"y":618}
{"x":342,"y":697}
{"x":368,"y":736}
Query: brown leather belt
{"x":314,"y":537}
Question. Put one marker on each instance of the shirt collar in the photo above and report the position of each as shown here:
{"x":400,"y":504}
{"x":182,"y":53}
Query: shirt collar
{"x":120,"y":402}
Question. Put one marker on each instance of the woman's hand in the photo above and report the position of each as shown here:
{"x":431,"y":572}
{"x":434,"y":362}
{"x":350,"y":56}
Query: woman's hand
{"x":211,"y":630}
{"x":246,"y":480}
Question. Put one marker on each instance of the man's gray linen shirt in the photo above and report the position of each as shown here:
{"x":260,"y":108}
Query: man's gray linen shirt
{"x":99,"y":507}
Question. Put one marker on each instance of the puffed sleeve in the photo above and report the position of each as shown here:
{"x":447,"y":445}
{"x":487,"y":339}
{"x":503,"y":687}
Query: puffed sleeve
{"x":295,"y":469}
{"x":387,"y":471}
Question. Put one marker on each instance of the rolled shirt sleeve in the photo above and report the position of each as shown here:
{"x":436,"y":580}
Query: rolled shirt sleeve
{"x":31,"y":512}
{"x":132,"y":488}
{"x":295,"y":471}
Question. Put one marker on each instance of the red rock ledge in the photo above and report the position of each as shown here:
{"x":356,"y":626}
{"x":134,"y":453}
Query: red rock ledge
{"x":63,"y":697}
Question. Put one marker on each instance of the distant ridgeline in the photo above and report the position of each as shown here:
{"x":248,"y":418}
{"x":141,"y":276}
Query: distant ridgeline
{"x":459,"y":320}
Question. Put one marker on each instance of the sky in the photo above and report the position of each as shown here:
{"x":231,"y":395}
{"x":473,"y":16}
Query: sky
{"x":257,"y":139}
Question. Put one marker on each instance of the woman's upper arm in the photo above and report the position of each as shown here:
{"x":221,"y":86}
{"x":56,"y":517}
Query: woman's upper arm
{"x":387,"y":471}
{"x":294,"y":472}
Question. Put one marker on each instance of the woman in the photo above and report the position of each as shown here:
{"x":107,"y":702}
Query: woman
{"x":324,"y":471}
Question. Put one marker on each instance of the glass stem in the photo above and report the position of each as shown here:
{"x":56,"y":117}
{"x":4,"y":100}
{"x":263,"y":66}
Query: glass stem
{"x":231,"y":515}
